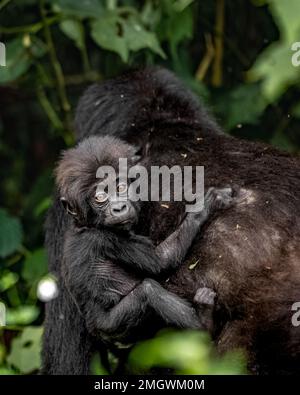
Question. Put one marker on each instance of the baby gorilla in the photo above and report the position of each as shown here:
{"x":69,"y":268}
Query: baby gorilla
{"x":106,"y":264}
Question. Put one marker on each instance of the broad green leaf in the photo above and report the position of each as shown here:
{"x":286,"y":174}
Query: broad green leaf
{"x":150,"y":15}
{"x":11,"y":234}
{"x":6,"y":371}
{"x":244,"y":104}
{"x":35,"y":266}
{"x":73,"y":29}
{"x":188,"y":353}
{"x":180,"y":26}
{"x":19,"y":57}
{"x":80,"y":9}
{"x":274,"y":66}
{"x":17,"y":61}
{"x":275,"y":69}
{"x":22,"y":315}
{"x":7,"y":280}
{"x":25,"y":352}
{"x":286,"y":14}
{"x":121,"y":35}
{"x":105,"y":32}
{"x":137,"y":37}
{"x":180,"y":5}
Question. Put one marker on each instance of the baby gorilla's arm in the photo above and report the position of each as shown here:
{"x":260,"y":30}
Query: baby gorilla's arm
{"x":118,"y":321}
{"x":173,"y":250}
{"x":138,"y":252}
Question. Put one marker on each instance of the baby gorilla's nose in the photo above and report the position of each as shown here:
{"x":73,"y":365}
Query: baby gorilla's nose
{"x":119,"y":209}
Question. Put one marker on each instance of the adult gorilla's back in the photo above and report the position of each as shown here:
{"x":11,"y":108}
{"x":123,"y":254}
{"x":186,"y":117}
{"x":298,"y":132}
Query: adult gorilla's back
{"x":249,"y":254}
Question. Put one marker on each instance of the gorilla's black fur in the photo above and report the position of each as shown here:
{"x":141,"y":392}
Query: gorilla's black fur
{"x":249,"y":255}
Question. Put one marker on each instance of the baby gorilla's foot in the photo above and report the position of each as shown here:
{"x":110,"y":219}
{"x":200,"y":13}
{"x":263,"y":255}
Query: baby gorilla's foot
{"x":205,"y":296}
{"x":204,"y":300}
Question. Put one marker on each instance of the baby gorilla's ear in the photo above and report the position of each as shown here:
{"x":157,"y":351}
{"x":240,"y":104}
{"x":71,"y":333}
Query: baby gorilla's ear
{"x":67,"y":206}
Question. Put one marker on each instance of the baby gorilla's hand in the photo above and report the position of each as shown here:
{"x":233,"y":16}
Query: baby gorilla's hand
{"x":215,"y":199}
{"x":219,"y":198}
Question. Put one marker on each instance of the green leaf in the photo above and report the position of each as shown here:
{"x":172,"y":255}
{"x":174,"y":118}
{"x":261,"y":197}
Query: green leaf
{"x":22,"y":315}
{"x":244,"y":104}
{"x":11,"y":234}
{"x":137,"y":37}
{"x":8,"y":279}
{"x":26,"y":350}
{"x":42,"y":206}
{"x":180,"y":5}
{"x":96,"y":367}
{"x":6,"y":371}
{"x":187,"y":353}
{"x":121,"y":35}
{"x":35,"y":266}
{"x":105,"y":32}
{"x":180,"y":26}
{"x":17,"y":61}
{"x":80,"y":9}
{"x":274,"y":65}
{"x":286,"y":14}
{"x":19,"y":56}
{"x":275,"y":69}
{"x":73,"y":29}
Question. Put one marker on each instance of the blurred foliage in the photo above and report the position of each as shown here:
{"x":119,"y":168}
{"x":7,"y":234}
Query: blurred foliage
{"x":171,"y":351}
{"x":235,"y":54}
{"x":191,"y":353}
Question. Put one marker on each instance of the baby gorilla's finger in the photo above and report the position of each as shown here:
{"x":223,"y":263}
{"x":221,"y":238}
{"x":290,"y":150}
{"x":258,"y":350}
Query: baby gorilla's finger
{"x":219,"y":198}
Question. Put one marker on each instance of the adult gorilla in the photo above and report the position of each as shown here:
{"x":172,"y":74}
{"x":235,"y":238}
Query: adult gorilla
{"x":249,"y":255}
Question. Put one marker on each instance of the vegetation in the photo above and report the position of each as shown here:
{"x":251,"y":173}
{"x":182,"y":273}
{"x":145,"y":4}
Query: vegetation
{"x":235,"y":54}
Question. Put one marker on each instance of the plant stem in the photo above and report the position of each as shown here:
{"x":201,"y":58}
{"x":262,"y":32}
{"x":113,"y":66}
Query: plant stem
{"x":218,"y":60}
{"x":60,"y":80}
{"x":83,"y":50}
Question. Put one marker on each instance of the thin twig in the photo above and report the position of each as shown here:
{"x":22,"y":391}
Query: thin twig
{"x":219,"y":45}
{"x":33,"y":28}
{"x":206,"y":60}
{"x":83,"y":50}
{"x":48,"y":108}
{"x":60,"y":81}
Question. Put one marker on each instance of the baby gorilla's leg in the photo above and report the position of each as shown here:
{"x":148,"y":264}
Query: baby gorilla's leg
{"x":205,"y":301}
{"x":130,"y":311}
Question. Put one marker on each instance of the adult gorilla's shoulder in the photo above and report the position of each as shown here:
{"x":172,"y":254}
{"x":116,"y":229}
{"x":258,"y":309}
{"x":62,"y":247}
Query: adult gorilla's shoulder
{"x":139,"y":99}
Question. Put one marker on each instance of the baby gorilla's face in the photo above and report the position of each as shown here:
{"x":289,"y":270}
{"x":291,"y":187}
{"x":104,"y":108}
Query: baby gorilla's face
{"x":93,"y":183}
{"x":114,"y":209}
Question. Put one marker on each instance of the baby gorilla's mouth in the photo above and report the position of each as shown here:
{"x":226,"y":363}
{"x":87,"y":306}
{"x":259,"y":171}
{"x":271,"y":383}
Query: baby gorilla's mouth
{"x":125,"y":224}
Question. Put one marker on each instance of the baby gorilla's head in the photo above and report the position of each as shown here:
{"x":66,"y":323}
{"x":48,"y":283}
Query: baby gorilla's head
{"x":91,"y":194}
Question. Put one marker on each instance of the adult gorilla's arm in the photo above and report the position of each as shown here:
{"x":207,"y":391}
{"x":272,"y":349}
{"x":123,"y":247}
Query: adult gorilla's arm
{"x":66,"y":343}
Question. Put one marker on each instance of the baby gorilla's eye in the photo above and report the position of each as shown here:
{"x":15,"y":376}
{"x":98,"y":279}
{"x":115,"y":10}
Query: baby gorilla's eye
{"x":122,"y":187}
{"x":101,"y":197}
